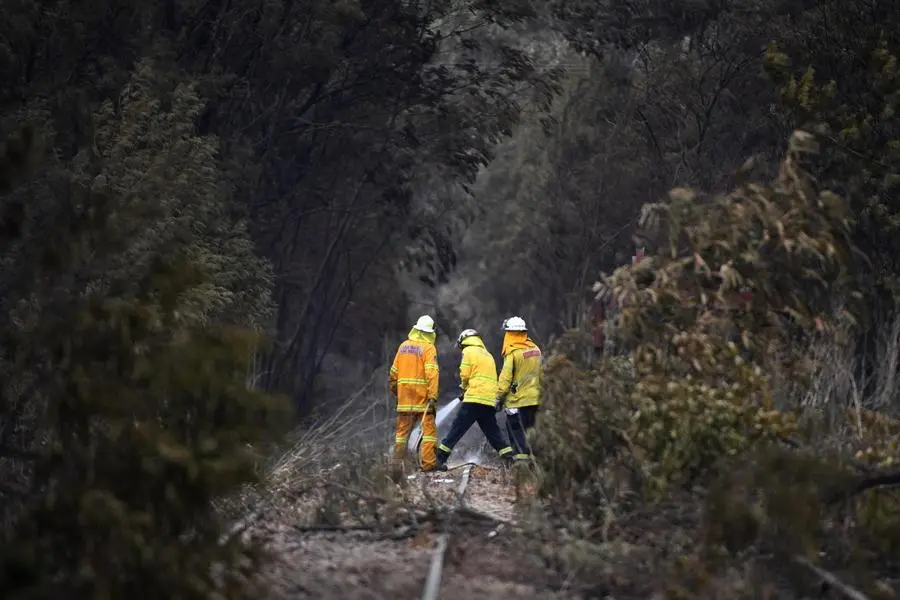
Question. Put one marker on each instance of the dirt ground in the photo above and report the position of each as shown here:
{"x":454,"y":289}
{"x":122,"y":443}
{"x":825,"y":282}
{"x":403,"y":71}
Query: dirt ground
{"x":486,"y":557}
{"x":351,"y":531}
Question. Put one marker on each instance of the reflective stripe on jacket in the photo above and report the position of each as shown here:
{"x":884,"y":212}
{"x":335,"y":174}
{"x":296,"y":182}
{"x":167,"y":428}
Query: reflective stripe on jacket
{"x":414,"y":373}
{"x":520,"y":378}
{"x":477,"y":373}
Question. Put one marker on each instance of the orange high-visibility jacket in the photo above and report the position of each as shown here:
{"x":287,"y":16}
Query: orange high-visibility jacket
{"x":414,"y":373}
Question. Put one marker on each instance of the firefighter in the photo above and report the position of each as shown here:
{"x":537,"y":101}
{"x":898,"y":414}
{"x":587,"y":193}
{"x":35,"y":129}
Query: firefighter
{"x":414,"y":382}
{"x":478,"y":379}
{"x":519,"y":385}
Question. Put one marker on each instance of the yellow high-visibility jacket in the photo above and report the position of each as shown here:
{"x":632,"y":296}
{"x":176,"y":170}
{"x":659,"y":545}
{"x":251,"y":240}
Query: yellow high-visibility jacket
{"x":477,"y":373}
{"x":415,"y":373}
{"x":520,"y":378}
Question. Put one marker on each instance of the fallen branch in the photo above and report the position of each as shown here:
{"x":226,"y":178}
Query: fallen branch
{"x":460,"y":515}
{"x":476,"y":515}
{"x":413,"y":518}
{"x":887,"y":479}
{"x":849,"y":592}
{"x":880,"y":481}
{"x":12,"y":453}
{"x":335,"y":528}
{"x":872,"y":477}
{"x":397,"y":532}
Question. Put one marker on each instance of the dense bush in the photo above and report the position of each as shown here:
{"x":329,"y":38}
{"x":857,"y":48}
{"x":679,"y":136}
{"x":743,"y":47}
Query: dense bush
{"x":697,"y":411}
{"x":125,"y":406}
{"x":698,"y":396}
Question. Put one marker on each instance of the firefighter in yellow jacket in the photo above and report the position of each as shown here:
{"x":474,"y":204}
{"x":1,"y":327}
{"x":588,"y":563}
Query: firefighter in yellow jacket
{"x":414,"y":382}
{"x":478,"y":379}
{"x":519,"y":387}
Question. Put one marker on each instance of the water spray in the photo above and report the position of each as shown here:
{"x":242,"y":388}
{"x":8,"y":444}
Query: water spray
{"x":442,"y":415}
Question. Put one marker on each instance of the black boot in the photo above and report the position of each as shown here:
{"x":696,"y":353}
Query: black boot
{"x":442,"y":456}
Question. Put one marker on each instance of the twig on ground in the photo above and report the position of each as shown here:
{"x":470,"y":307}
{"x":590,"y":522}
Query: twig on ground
{"x":334,"y":528}
{"x":476,"y":515}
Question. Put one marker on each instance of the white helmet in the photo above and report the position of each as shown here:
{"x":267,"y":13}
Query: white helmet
{"x":514,"y":324}
{"x":425,"y":323}
{"x":465,"y":333}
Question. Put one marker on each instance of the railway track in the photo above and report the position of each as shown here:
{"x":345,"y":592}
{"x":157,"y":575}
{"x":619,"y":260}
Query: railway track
{"x":432,"y":588}
{"x":359,"y":551}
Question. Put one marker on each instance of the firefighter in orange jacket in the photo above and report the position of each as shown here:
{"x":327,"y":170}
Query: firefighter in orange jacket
{"x":414,"y":382}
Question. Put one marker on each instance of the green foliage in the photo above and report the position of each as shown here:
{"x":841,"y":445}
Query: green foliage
{"x":705,"y":395}
{"x":879,"y":524}
{"x":647,"y":110}
{"x":153,"y":422}
{"x":704,"y":405}
{"x":382,"y":119}
{"x":751,"y":510}
{"x":343,"y":129}
{"x":130,"y":293}
{"x":583,"y":444}
{"x":594,"y":27}
{"x":699,"y":406}
{"x":852,"y":99}
{"x":788,"y":244}
{"x":750,"y":502}
{"x":699,"y":396}
{"x":349,"y":136}
{"x":148,"y":145}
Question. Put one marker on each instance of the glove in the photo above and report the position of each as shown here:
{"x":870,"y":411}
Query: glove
{"x":431,"y":404}
{"x":498,"y":404}
{"x":514,"y":387}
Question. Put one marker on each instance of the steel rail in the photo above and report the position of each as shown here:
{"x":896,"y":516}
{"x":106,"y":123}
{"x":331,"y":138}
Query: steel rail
{"x":435,"y":569}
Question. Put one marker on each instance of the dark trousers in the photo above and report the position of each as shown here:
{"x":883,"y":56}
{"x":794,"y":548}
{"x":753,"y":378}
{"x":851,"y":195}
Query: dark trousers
{"x":517,"y":425}
{"x":469,"y":414}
